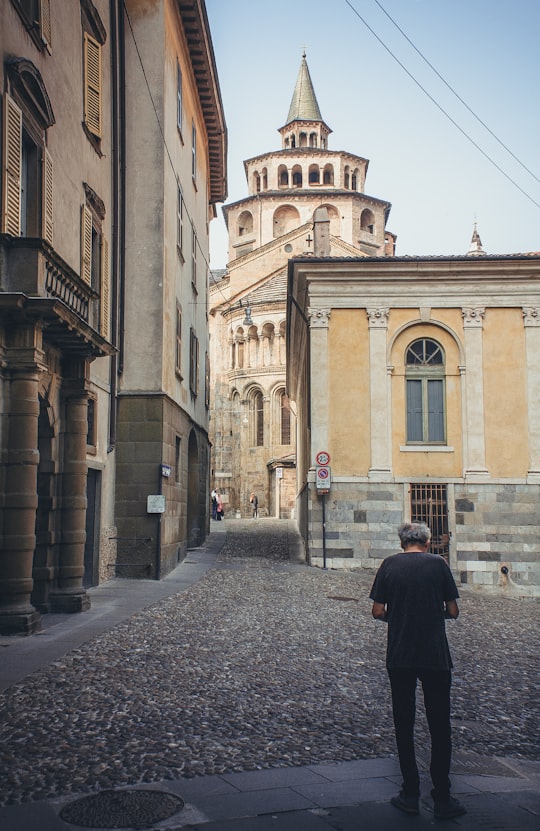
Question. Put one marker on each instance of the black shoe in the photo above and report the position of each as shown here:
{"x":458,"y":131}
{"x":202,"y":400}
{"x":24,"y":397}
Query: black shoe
{"x":448,"y":809}
{"x":408,"y":804}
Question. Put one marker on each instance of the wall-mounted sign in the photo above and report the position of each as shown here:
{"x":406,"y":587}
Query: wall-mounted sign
{"x":166,"y":471}
{"x":323,"y":478}
{"x":155,"y":504}
{"x":323,"y":458}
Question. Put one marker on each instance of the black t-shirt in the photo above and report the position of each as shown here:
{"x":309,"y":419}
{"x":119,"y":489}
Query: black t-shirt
{"x":414,"y":586}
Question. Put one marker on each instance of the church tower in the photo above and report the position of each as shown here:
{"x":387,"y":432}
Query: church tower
{"x":252,"y":420}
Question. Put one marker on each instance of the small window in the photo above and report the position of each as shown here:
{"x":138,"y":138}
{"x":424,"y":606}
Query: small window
{"x":285,"y":419}
{"x":178,"y":352}
{"x":178,"y":461}
{"x":193,"y":362}
{"x":429,"y":504}
{"x":193,"y":257}
{"x":258,"y":419}
{"x":425,"y":386}
{"x":91,"y":435}
{"x":180,"y":221}
{"x":179,"y":110}
{"x":92,"y":86}
{"x":193,"y":151}
{"x":36,"y":15}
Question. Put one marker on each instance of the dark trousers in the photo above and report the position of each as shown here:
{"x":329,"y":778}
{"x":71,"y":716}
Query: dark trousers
{"x":436,"y":687}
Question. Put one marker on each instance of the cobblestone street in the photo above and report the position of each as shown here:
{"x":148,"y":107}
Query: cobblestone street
{"x":262,"y":663}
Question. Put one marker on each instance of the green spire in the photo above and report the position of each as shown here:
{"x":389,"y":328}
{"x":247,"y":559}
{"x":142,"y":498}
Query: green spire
{"x":304,"y":105}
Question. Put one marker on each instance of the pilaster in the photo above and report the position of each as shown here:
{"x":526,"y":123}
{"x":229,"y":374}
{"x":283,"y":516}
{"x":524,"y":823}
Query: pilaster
{"x":319,"y":320}
{"x":531,"y":322}
{"x":474,"y":451}
{"x":379,"y":383}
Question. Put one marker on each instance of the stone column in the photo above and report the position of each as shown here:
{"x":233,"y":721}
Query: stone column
{"x":379,"y":380}
{"x":21,"y":458}
{"x":531,"y":321}
{"x":318,"y":383}
{"x":474,"y":449}
{"x":69,"y":595}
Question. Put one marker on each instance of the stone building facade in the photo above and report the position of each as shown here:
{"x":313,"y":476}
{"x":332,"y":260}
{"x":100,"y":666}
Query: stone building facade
{"x":252,"y":424}
{"x":418,"y":376}
{"x":103,"y":293}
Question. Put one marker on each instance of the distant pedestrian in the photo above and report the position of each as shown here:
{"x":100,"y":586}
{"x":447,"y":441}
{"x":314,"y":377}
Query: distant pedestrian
{"x":219,"y":512}
{"x":254,"y":505}
{"x":214,"y":503}
{"x":414,"y":591}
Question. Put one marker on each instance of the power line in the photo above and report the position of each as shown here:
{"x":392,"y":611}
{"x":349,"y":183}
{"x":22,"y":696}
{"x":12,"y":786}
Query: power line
{"x":439,"y":107}
{"x":453,"y":91}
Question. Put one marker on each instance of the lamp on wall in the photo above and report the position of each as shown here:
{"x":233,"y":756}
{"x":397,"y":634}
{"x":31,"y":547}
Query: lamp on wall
{"x":247,"y":320}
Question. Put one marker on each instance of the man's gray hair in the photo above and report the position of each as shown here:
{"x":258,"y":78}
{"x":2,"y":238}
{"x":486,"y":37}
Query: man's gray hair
{"x":411,"y":533}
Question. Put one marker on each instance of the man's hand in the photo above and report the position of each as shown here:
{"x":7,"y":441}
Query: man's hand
{"x":378,"y":610}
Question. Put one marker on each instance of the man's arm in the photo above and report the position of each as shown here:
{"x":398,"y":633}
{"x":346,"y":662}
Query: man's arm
{"x":451,"y":609}
{"x":378,"y":610}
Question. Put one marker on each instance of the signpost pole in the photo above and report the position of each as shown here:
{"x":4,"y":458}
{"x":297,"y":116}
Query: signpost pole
{"x":323,"y":496}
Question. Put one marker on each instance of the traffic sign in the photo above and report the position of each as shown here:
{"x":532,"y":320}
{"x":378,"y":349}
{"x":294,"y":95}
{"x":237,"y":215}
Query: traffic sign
{"x":323,"y":478}
{"x":323,"y":458}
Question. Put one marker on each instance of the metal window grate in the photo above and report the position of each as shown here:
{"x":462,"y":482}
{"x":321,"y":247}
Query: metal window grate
{"x":429,"y":504}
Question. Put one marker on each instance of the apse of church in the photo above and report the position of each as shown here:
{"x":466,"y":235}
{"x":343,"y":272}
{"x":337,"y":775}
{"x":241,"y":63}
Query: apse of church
{"x":252,"y":424}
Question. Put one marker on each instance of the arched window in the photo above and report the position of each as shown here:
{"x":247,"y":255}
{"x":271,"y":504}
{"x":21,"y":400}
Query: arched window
{"x":354,"y":179}
{"x":283,"y":176}
{"x":285,"y":420}
{"x":346,"y":177}
{"x":328,"y":175}
{"x":314,"y":174}
{"x":256,"y":182}
{"x":313,"y":139}
{"x":303,"y":139}
{"x":367,"y":221}
{"x":245,"y":223}
{"x":424,"y":378}
{"x":264,"y":178}
{"x":257,"y":413}
{"x":297,"y":176}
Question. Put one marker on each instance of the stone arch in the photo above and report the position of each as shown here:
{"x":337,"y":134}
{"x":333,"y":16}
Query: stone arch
{"x":432,"y":322}
{"x":297,"y":176}
{"x":367,"y":221}
{"x":328,"y":174}
{"x":335,"y":219}
{"x":354,"y":179}
{"x":286,"y":218}
{"x":346,"y":177}
{"x":264,"y":178}
{"x":313,"y":139}
{"x":314,"y":174}
{"x":194,"y":530}
{"x":283,"y":176}
{"x":256,"y":182}
{"x":245,"y":223}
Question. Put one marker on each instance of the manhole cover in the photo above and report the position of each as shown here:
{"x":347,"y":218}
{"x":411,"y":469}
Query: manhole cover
{"x":122,"y":809}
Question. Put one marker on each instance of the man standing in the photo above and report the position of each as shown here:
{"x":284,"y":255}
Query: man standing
{"x":414,"y":592}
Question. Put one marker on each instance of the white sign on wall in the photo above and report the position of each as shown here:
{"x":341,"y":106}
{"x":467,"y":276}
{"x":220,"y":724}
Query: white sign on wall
{"x":155,"y":504}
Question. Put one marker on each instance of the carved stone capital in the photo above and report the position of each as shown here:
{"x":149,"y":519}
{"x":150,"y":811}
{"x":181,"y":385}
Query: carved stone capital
{"x":531,"y":315}
{"x":378,"y":318}
{"x":473,"y":316}
{"x":318,"y":318}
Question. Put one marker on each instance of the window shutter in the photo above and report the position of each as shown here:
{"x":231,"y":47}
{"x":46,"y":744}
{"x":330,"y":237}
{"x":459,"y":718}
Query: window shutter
{"x":414,"y":411}
{"x":92,"y":85}
{"x":86,"y":245}
{"x":11,"y":168}
{"x":435,"y":410}
{"x":45,"y":28}
{"x":47,"y":198}
{"x":105,"y":308}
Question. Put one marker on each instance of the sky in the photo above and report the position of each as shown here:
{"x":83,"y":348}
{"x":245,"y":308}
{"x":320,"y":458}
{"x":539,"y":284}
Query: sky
{"x":437,"y":181}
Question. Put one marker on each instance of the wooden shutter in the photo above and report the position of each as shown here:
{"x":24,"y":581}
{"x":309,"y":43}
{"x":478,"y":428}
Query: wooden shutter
{"x":86,"y":245}
{"x":47,"y":198}
{"x":415,"y":430}
{"x":11,"y":168}
{"x":105,"y":307}
{"x":45,"y":28}
{"x":92,"y":85}
{"x":435,"y":410}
